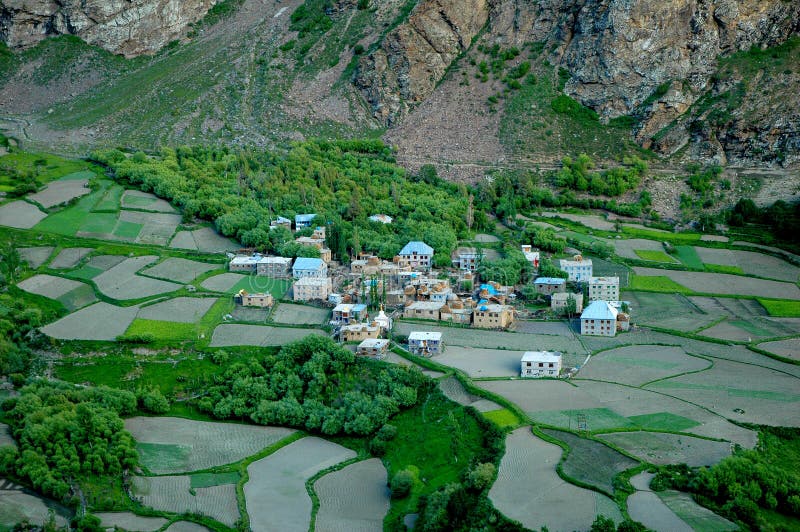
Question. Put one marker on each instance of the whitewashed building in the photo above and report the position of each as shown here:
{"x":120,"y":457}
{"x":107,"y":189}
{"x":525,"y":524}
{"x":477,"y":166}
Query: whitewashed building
{"x":425,"y":343}
{"x":309,"y":288}
{"x":599,"y":319}
{"x":417,"y":254}
{"x":604,"y":289}
{"x":578,"y":269}
{"x":530,"y":255}
{"x":540,"y":364}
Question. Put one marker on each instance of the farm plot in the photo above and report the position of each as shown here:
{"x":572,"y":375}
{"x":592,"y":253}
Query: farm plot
{"x":354,"y":498}
{"x":144,"y":201}
{"x":786,"y":348}
{"x":691,"y":513}
{"x":590,"y":461}
{"x":482,"y":362}
{"x":300,"y":314}
{"x":203,"y":239}
{"x":394,"y":358}
{"x":171,"y":494}
{"x":250,"y":314}
{"x":121,"y":282}
{"x":17,"y":506}
{"x":156,"y":228}
{"x":723,"y":283}
{"x":78,"y":298}
{"x":662,"y":448}
{"x":111,"y":201}
{"x":233,"y":334}
{"x":177,"y":445}
{"x":276,"y":493}
{"x":48,"y":285}
{"x":741,"y":391}
{"x":20,"y":214}
{"x":225,"y":282}
{"x":560,"y":328}
{"x":670,"y":311}
{"x":627,"y":248}
{"x":179,"y":309}
{"x":591,"y":221}
{"x":179,"y":270}
{"x":639,"y":364}
{"x":70,"y":220}
{"x":740,"y":330}
{"x":61,"y":191}
{"x":186,"y":526}
{"x":455,"y":391}
{"x":101,"y":321}
{"x":751,"y":262}
{"x":69,"y":258}
{"x":35,"y":256}
{"x":646,"y":508}
{"x":529,"y":490}
{"x":130,"y":521}
{"x":494,"y":339}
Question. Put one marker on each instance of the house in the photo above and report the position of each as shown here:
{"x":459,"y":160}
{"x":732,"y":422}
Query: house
{"x":319,"y":233}
{"x":559,"y":302}
{"x":492,"y":316}
{"x":244,"y":263}
{"x":356,"y":332}
{"x":425,"y":343}
{"x":530,"y":255}
{"x":599,"y":319}
{"x":280,"y":222}
{"x":604,"y":288}
{"x":540,"y":364}
{"x":466,"y":259}
{"x":335,"y":299}
{"x":345,"y":313}
{"x":304,"y":220}
{"x":373,"y":347}
{"x":550,"y":285}
{"x":309,"y":267}
{"x":317,"y":243}
{"x":395,"y":297}
{"x":417,"y":254}
{"x":440,"y":294}
{"x":578,"y":269}
{"x":308,"y":288}
{"x":253,"y":300}
{"x":381,"y":218}
{"x":425,"y":310}
{"x":278,"y":267}
{"x":456,"y":312}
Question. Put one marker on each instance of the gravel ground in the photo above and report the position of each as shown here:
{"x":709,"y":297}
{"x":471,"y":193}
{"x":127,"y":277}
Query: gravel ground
{"x":180,"y":270}
{"x":529,"y":490}
{"x":663,"y":448}
{"x":723,"y":283}
{"x":101,"y":321}
{"x":276,"y":493}
{"x":171,"y":494}
{"x":121,"y":282}
{"x":130,"y":521}
{"x":20,"y":214}
{"x":35,"y":256}
{"x":232,"y":334}
{"x":209,"y":444}
{"x":70,"y":257}
{"x":300,"y":314}
{"x":353,"y":499}
{"x":180,"y":309}
{"x":58,"y":192}
{"x":48,"y":285}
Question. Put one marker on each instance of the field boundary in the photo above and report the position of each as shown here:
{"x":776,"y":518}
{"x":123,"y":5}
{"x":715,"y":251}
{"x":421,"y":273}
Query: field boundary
{"x":312,"y":493}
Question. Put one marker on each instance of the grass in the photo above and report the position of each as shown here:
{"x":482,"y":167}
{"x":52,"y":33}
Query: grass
{"x":99,"y":222}
{"x":251,"y":283}
{"x":658,"y":283}
{"x":138,"y":201}
{"x":502,"y":418}
{"x":206,"y":480}
{"x":108,"y":371}
{"x":166,"y":455}
{"x":440,"y":452}
{"x":44,"y":167}
{"x":84,"y":272}
{"x":127,"y":229}
{"x":111,"y":201}
{"x":724,"y":268}
{"x":752,"y":328}
{"x":162,"y":330}
{"x":653,"y":255}
{"x":781,"y":308}
{"x":68,"y":221}
{"x":675,"y":238}
{"x":689,"y":257}
{"x":664,"y":421}
{"x":596,"y":419}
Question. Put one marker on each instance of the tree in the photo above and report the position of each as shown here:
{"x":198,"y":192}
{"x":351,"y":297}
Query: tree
{"x":11,"y":261}
{"x":481,"y":476}
{"x":401,"y":483}
{"x":571,"y":306}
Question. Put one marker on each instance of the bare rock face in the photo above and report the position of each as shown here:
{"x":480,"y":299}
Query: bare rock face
{"x":128,"y":27}
{"x":413,"y":57}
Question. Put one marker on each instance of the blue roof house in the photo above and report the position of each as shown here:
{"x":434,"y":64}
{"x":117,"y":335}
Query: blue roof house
{"x":418,"y":254}
{"x":304,"y":220}
{"x":309,"y":267}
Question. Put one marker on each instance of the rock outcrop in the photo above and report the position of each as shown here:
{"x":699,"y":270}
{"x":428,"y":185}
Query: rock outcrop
{"x":128,"y":27}
{"x":412,"y":58}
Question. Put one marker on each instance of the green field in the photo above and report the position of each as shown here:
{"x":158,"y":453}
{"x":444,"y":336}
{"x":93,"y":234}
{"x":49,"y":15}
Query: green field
{"x":782,"y":308}
{"x":724,"y":268}
{"x":675,"y":238}
{"x":253,"y":283}
{"x":653,"y":255}
{"x":42,"y":166}
{"x":206,"y":480}
{"x":127,"y":229}
{"x":596,"y":419}
{"x":111,"y":201}
{"x":69,"y":221}
{"x":664,"y":421}
{"x":99,"y":222}
{"x":166,"y":455}
{"x":84,"y":272}
{"x":162,"y":330}
{"x":658,"y":283}
{"x":688,"y":256}
{"x":502,"y":418}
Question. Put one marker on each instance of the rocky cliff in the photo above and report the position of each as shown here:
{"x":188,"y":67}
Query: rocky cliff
{"x":129,"y":27}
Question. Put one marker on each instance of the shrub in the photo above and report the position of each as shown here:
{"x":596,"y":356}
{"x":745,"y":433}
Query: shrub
{"x":401,"y":483}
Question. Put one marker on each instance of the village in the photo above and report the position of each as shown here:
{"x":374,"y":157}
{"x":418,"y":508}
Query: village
{"x":369,"y":293}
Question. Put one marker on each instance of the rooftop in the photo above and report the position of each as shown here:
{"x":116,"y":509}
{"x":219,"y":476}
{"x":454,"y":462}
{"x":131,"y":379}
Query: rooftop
{"x":425,"y":335}
{"x":541,"y":356}
{"x":604,"y":280}
{"x":492,"y":308}
{"x":308,"y":263}
{"x":418,"y":247}
{"x":599,"y":310}
{"x":373,"y":343}
{"x":549,"y":280}
{"x":349,"y":307}
{"x":304,"y":218}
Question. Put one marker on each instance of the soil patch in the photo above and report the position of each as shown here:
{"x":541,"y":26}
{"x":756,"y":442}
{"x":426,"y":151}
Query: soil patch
{"x":121,"y":282}
{"x":70,"y":257}
{"x":179,"y":270}
{"x":48,"y":285}
{"x":203,"y":239}
{"x":35,"y":256}
{"x":723,"y":283}
{"x":639,"y":364}
{"x":62,"y":191}
{"x":233,"y":334}
{"x":171,"y":494}
{"x":20,"y":214}
{"x":786,"y":348}
{"x":300,"y":314}
{"x":353,"y":498}
{"x":180,"y":309}
{"x":101,"y":321}
{"x":662,"y":448}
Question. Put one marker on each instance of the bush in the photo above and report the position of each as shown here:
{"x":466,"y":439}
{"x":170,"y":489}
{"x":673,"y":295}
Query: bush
{"x":401,"y":483}
{"x":152,"y":400}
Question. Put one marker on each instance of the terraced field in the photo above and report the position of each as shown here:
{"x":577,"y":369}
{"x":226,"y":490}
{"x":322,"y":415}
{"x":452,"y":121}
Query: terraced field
{"x":172,"y":494}
{"x":355,"y":498}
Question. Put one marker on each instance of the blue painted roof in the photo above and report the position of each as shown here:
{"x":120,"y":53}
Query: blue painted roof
{"x":489,"y":288}
{"x":549,"y":280}
{"x":359,"y":308}
{"x":304,"y":218}
{"x":307,"y":263}
{"x":420,"y":248}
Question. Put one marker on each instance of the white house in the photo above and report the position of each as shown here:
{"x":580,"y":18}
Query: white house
{"x":604,"y":289}
{"x":244,"y":263}
{"x":274,"y":266}
{"x":425,"y":343}
{"x":530,"y":255}
{"x":309,"y":267}
{"x":417,"y":254}
{"x":381,"y":218}
{"x":466,"y":259}
{"x":599,"y":319}
{"x":540,"y":364}
{"x":578,"y":269}
{"x":309,"y":288}
{"x":375,"y":347}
